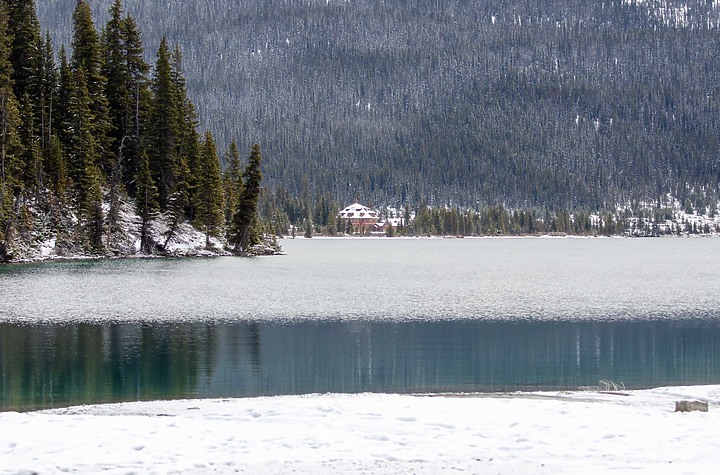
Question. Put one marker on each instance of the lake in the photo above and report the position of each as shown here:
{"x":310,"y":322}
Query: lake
{"x":353,"y":315}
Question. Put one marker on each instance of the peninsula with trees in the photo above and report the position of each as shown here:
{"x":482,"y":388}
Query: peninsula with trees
{"x":101,"y":154}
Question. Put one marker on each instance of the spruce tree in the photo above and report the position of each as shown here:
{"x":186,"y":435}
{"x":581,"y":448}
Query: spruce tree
{"x":26,"y":59}
{"x":31,"y":151}
{"x":146,"y":200}
{"x":10,"y":166}
{"x":232,"y":181}
{"x":25,"y":56}
{"x":188,"y":146}
{"x":208,"y":195}
{"x":139,"y":94}
{"x":59,"y":164}
{"x":308,"y":228}
{"x":125,"y":89}
{"x":115,"y":70}
{"x":245,"y":229}
{"x":56,"y":172}
{"x":87,"y":56}
{"x":48,"y":94}
{"x":162,"y":135}
{"x":63,"y":99}
{"x":83,"y":155}
{"x":116,"y":89}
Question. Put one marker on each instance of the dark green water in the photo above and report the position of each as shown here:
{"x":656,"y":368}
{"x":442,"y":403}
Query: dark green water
{"x":55,"y":365}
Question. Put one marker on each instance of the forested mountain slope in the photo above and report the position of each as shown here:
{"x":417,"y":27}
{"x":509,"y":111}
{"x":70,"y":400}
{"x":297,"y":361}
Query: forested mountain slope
{"x":549,"y":103}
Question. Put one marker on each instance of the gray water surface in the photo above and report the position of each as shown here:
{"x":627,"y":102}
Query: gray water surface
{"x":383,"y":279}
{"x":353,"y":315}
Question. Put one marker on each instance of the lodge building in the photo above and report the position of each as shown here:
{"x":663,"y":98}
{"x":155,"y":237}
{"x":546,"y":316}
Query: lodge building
{"x":363,"y":219}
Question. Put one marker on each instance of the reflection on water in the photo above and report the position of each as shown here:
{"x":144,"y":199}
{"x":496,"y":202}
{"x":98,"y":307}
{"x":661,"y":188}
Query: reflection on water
{"x":355,"y":315}
{"x":55,"y":365}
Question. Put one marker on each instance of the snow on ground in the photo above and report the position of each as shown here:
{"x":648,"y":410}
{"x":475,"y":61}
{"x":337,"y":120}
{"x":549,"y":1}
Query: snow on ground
{"x":578,"y":432}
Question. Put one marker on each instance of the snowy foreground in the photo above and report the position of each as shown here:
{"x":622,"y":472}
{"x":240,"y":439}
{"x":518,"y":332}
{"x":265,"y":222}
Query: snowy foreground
{"x":578,"y":432}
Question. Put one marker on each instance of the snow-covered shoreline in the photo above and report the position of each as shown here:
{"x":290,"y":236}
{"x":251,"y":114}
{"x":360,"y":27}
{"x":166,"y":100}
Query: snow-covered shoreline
{"x":569,"y":432}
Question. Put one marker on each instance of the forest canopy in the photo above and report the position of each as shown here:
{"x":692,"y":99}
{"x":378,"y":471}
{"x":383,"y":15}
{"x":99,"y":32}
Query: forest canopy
{"x":542,"y":103}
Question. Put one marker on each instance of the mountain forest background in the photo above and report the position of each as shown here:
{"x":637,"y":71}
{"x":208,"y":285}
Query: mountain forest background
{"x":528,"y":103}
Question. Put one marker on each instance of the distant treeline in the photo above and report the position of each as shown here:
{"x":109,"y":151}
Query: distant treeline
{"x":531,"y":103}
{"x":79,"y":131}
{"x":284,"y":214}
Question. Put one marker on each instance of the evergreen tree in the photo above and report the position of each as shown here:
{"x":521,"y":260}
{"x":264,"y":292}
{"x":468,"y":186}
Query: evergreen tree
{"x":25,"y":56}
{"x":245,"y":232}
{"x":63,"y":99}
{"x":31,"y":151}
{"x":56,"y":170}
{"x":232,"y":181}
{"x":91,"y":210}
{"x":208,"y":196}
{"x":146,"y":201}
{"x":389,"y":230}
{"x":10,"y":167}
{"x":83,"y":156}
{"x":116,"y":88}
{"x":188,"y":146}
{"x":308,"y":228}
{"x":162,"y":134}
{"x":24,"y":28}
{"x":87,"y":56}
{"x":179,"y":199}
{"x":48,"y":94}
{"x":139,"y":92}
{"x":125,"y":89}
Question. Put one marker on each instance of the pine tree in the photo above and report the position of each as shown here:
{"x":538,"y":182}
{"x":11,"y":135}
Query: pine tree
{"x":232,"y":181}
{"x":188,"y":146}
{"x":245,"y":232}
{"x":10,"y":166}
{"x":25,"y":57}
{"x":389,"y":230}
{"x":208,"y":196}
{"x":48,"y":94}
{"x":87,"y":56}
{"x":308,"y":228}
{"x":139,"y":93}
{"x":91,"y":208}
{"x":125,"y":89}
{"x":63,"y":99}
{"x":115,"y":70}
{"x":56,"y":171}
{"x":32,"y":153}
{"x":146,"y":200}
{"x":162,"y":134}
{"x":83,"y":156}
{"x":116,"y":89}
{"x":59,"y":166}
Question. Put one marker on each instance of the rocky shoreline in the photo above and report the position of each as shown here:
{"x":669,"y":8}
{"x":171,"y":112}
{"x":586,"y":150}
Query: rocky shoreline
{"x":51,"y":235}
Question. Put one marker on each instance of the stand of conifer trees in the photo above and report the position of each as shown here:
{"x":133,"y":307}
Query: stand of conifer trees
{"x":101,"y":124}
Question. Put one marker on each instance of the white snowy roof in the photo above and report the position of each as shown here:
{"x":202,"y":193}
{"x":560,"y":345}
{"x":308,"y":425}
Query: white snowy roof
{"x":356,"y":210}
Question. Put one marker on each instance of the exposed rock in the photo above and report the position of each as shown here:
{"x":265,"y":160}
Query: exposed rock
{"x":687,"y":406}
{"x":268,"y":247}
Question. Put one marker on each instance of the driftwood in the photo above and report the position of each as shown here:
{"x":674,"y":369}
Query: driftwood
{"x":687,"y":406}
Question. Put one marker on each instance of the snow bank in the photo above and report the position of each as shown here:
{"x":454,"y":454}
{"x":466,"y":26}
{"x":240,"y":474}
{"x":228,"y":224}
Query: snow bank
{"x":579,"y":432}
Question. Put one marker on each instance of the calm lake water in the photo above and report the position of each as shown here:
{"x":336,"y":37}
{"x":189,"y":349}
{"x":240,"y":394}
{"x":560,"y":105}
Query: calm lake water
{"x":352,"y":315}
